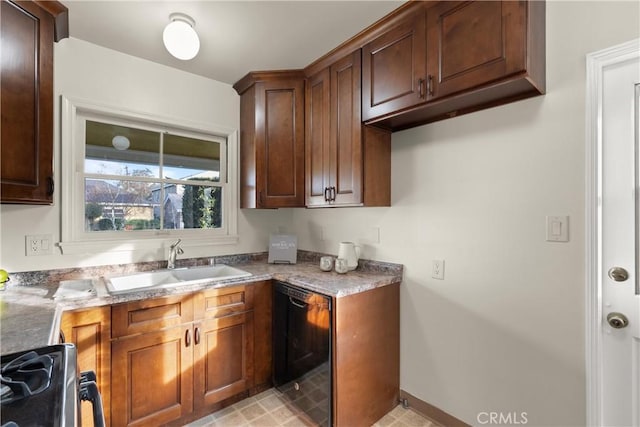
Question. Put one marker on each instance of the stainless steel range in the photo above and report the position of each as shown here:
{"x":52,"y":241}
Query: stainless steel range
{"x":40,"y":387}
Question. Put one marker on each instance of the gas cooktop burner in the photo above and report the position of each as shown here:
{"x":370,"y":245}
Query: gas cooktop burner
{"x":25,"y":376}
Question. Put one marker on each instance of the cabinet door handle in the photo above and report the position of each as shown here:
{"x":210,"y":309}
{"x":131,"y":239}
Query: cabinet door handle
{"x":196,"y":336}
{"x":333,"y":194}
{"x":187,"y":338}
{"x":62,"y":339}
{"x":430,"y":85}
{"x":420,"y":88}
{"x":326,"y":196}
{"x":50,"y":186}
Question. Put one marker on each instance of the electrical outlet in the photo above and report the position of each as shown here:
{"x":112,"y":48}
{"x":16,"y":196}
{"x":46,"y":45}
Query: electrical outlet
{"x":438,"y":269}
{"x":39,"y":244}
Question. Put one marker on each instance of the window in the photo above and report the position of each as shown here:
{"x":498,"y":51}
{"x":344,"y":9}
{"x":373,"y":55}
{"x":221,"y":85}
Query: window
{"x":134,"y":178}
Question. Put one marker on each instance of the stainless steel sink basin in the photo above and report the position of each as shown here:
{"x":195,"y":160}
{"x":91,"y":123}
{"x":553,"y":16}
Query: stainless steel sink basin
{"x":171,"y":278}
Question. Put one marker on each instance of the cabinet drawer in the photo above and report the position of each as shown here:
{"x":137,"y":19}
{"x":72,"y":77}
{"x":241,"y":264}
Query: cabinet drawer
{"x":222,"y":302}
{"x":150,"y":315}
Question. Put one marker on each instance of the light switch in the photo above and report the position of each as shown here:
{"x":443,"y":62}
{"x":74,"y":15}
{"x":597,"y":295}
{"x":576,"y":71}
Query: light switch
{"x":557,"y":228}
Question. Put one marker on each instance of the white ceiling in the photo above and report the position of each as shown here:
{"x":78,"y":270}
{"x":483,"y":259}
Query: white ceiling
{"x":235,"y":36}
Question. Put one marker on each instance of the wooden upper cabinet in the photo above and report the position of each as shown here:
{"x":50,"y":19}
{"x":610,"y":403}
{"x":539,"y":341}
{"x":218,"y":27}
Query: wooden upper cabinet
{"x":336,"y":141}
{"x":271,"y":139}
{"x":394,"y":67}
{"x":28,"y":30}
{"x":345,"y":142}
{"x":479,"y":54}
{"x":317,"y":130}
{"x":470,"y":43}
{"x":333,"y":134}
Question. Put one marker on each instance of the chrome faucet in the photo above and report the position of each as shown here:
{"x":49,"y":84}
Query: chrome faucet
{"x":174,"y":251}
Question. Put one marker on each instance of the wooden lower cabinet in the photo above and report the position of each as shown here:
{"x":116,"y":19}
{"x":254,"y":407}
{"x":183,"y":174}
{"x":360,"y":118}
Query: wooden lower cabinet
{"x":262,"y":336}
{"x":90,"y":331}
{"x":166,"y":372}
{"x":366,"y":356}
{"x":223,"y":358}
{"x":170,"y":360}
{"x":152,"y":379}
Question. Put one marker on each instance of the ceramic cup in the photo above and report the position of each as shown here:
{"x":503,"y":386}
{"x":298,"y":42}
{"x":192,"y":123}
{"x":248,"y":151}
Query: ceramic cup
{"x":326,"y":263}
{"x":341,"y":266}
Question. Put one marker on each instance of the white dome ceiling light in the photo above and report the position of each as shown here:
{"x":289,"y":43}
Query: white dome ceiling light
{"x":120,"y":142}
{"x":180,"y":37}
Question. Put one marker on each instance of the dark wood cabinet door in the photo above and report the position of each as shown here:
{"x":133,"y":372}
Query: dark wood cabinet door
{"x":471,"y":43}
{"x":223,"y":358}
{"x":345,"y":142}
{"x":90,"y":331}
{"x":152,"y":378}
{"x":317,"y":128}
{"x":26,"y":85}
{"x":394,"y":68}
{"x":333,"y":134}
{"x":280,"y":143}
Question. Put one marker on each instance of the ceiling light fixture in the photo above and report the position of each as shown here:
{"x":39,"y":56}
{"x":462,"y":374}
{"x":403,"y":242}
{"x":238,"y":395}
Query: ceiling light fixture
{"x":120,"y":142}
{"x":180,"y":38}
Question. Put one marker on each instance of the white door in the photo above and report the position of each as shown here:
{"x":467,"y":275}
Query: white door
{"x":620,"y":240}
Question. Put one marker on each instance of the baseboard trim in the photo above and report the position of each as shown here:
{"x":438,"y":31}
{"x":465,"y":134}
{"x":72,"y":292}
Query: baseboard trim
{"x":429,"y":411}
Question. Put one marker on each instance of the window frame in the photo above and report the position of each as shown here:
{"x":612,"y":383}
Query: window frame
{"x":74,"y":237}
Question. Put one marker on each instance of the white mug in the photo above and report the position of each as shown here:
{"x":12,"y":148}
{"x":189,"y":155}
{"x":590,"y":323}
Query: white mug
{"x":341,"y":266}
{"x":326,"y":263}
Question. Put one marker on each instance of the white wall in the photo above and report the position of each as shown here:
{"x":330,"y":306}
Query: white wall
{"x":103,"y":76}
{"x":505,"y":330}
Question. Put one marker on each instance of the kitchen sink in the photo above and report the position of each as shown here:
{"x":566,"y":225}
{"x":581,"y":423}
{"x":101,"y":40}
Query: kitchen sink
{"x":170,"y":278}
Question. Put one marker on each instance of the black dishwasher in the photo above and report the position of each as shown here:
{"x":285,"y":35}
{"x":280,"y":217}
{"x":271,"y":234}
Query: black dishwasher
{"x":302,"y":350}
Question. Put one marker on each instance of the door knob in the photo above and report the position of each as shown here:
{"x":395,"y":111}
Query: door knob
{"x":618,"y":274}
{"x":617,"y":320}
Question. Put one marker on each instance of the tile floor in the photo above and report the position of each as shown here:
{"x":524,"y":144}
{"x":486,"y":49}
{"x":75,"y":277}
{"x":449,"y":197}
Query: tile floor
{"x":272,"y":408}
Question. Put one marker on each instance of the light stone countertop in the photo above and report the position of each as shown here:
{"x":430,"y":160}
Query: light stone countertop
{"x":30,"y":317}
